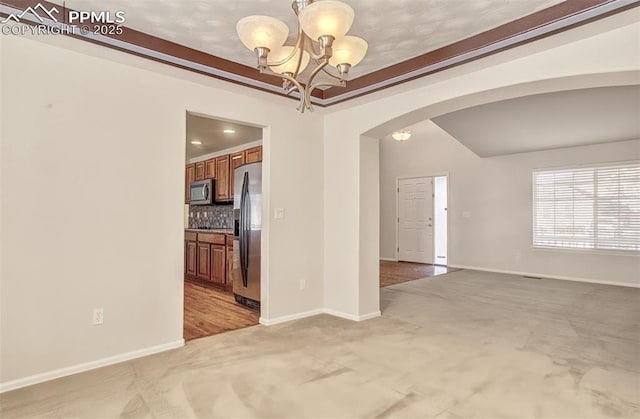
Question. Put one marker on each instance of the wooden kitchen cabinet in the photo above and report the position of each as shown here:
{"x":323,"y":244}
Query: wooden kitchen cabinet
{"x":190,"y":176}
{"x":210,"y":169}
{"x":218,"y":264}
{"x":200,"y":170}
{"x":229,"y":260}
{"x":204,"y":262}
{"x":222,"y":179}
{"x":190,"y":258}
{"x":209,"y":258}
{"x":237,"y":159}
{"x":222,"y":169}
{"x":253,"y":155}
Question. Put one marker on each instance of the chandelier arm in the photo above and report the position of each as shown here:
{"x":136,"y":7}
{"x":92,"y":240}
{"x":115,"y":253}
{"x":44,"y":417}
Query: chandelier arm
{"x":300,"y":56}
{"x":317,"y":70}
{"x":311,"y":86}
{"x":291,"y":90}
{"x":300,"y":89}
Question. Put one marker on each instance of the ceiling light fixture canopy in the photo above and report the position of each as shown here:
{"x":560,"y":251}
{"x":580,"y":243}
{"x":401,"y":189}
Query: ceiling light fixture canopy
{"x":401,"y":135}
{"x":321,"y":38}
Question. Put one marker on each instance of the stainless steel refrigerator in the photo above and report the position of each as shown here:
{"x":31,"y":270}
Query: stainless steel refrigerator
{"x":247,"y":211}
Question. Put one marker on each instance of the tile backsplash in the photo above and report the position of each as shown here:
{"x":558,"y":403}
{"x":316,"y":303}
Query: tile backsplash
{"x":211,"y":216}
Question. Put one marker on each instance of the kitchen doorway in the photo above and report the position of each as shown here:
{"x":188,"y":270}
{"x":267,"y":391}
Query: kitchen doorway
{"x":422,"y":222}
{"x":223,"y":226}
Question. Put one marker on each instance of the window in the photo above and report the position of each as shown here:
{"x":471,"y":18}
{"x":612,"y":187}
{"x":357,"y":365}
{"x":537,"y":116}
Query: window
{"x":588,"y":207}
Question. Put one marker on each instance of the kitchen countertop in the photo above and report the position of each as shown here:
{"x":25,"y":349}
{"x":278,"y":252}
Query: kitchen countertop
{"x":214,"y":230}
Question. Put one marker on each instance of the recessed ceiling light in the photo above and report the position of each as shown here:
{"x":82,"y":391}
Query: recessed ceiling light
{"x":229,"y":131}
{"x":196,"y":142}
{"x":401,"y":135}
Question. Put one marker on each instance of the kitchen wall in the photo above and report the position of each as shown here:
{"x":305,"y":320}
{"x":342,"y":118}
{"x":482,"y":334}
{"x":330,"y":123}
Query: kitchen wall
{"x":98,"y":135}
{"x":496,"y":192}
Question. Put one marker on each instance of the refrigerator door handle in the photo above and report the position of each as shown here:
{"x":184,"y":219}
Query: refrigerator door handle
{"x":247,"y":226}
{"x":244,"y":230}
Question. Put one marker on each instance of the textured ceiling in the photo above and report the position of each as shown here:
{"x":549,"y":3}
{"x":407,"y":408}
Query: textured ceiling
{"x":547,"y":121}
{"x":395,"y":30}
{"x":210,"y":132}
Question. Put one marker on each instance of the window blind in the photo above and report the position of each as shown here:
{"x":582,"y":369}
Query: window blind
{"x":588,"y":207}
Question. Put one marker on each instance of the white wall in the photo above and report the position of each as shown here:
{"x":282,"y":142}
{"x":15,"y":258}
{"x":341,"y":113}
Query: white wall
{"x":92,"y":171}
{"x":497,"y":192}
{"x":601,"y":53}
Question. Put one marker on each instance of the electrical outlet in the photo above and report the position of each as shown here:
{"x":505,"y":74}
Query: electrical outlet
{"x":303,"y":284}
{"x":98,"y":316}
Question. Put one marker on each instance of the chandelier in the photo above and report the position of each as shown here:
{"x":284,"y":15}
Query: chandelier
{"x":322,"y":29}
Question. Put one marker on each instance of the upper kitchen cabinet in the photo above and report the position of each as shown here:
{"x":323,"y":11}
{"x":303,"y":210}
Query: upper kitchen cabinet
{"x":210,"y":169}
{"x":222,"y":179}
{"x":200,"y":170}
{"x":222,"y":170}
{"x":237,"y":159}
{"x":253,"y":155}
{"x":190,"y":176}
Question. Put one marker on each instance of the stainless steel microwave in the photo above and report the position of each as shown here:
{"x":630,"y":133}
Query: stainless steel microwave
{"x":202,"y":192}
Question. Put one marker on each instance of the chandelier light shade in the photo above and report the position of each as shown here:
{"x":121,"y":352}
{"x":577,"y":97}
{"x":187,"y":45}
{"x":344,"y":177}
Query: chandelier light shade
{"x":262,"y":32}
{"x":321,"y":41}
{"x":348,"y":50}
{"x":401,"y":135}
{"x":290,"y":65}
{"x":326,"y":18}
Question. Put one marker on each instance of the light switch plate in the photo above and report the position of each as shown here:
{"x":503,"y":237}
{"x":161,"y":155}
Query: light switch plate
{"x":278,"y":213}
{"x":466,"y":214}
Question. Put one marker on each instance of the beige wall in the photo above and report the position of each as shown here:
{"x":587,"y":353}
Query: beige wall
{"x":79,"y":120}
{"x":92,"y":170}
{"x":497,"y":192}
{"x":599,"y":54}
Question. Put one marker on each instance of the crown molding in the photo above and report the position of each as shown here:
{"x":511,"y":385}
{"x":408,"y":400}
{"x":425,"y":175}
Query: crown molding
{"x":563,"y":16}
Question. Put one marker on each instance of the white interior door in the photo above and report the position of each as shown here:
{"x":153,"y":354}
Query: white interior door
{"x":415,"y":220}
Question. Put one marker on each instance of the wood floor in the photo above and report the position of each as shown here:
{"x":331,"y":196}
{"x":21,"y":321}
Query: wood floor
{"x":209,"y":311}
{"x":392,"y":273}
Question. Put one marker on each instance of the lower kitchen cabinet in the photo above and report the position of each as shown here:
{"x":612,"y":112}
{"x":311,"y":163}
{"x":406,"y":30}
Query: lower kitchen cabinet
{"x":207,"y":257}
{"x":204,"y":266}
{"x":218,"y":264}
{"x":230,"y":260}
{"x":190,"y":259}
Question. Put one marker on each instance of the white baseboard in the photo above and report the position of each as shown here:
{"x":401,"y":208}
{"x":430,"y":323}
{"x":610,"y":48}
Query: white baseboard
{"x":75,"y":369}
{"x":389,"y":259}
{"x":352,"y":316}
{"x":284,"y":319}
{"x":562,"y":278}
